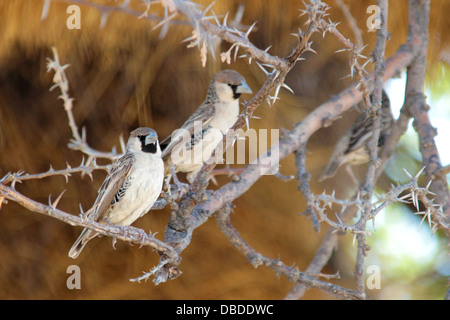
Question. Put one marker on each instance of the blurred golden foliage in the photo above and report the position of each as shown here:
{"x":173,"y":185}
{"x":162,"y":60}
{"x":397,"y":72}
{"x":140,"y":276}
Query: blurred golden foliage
{"x":123,"y":76}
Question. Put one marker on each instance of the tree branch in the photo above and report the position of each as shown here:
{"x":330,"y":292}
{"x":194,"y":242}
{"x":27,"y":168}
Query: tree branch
{"x":78,"y":142}
{"x":375,"y":113}
{"x":130,"y":234}
{"x":199,"y":204}
{"x":418,"y":109}
{"x":256,"y":259}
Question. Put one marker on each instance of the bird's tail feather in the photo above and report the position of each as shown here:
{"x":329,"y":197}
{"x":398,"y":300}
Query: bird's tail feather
{"x":80,"y":243}
{"x":330,"y":170}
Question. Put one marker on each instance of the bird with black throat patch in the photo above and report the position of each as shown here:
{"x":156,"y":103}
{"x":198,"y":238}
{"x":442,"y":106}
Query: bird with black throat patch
{"x":189,"y":147}
{"x":132,"y":186}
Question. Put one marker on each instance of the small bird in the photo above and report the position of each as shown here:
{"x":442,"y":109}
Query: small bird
{"x":189,"y":147}
{"x":352,"y":149}
{"x":131,"y":187}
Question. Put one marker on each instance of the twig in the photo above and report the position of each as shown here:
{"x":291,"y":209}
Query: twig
{"x":257,"y":259}
{"x":83,"y":168}
{"x":147,"y":275}
{"x":417,"y":107}
{"x":199,"y":204}
{"x":303,"y":177}
{"x":319,"y":204}
{"x":79,"y":141}
{"x":352,"y":22}
{"x":321,"y":258}
{"x":375,"y":113}
{"x":355,"y":54}
{"x":291,"y":142}
{"x":130,"y":234}
{"x":106,"y":10}
{"x":180,"y":222}
{"x":417,"y":31}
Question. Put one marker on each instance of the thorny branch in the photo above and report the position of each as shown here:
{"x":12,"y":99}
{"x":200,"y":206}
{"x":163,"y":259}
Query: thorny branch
{"x":84,"y":169}
{"x":417,"y":108}
{"x":352,"y":22}
{"x":78,"y":142}
{"x":199,"y":204}
{"x":256,"y":259}
{"x":130,"y":234}
{"x":179,"y":229}
{"x":418,"y":15}
{"x":372,"y":145}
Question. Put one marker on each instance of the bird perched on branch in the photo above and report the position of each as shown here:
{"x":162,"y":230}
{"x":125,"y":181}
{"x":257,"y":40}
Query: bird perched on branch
{"x":352,"y":148}
{"x":131,"y":187}
{"x":189,"y":147}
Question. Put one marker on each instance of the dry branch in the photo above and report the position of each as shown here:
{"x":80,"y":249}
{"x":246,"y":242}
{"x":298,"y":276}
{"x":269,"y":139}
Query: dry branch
{"x":198,"y":204}
{"x":256,"y":259}
{"x":372,"y":145}
{"x":130,"y":234}
{"x":418,"y":108}
{"x":79,"y":141}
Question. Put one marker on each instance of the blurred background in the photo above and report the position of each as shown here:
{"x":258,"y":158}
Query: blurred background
{"x":123,"y":75}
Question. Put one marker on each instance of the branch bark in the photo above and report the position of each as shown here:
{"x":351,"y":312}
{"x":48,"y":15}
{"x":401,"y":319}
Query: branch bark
{"x":130,"y":234}
{"x":413,"y":48}
{"x":416,"y":105}
{"x":375,"y":113}
{"x":256,"y":259}
{"x":290,"y":142}
{"x":199,"y":204}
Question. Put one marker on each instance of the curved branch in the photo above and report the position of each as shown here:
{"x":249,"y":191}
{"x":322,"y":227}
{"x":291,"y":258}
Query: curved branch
{"x":130,"y":234}
{"x":256,"y":259}
{"x":418,"y":108}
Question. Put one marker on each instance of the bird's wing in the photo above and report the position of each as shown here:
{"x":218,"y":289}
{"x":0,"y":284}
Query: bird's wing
{"x":203,"y":115}
{"x":361,"y":132}
{"x":113,"y":188}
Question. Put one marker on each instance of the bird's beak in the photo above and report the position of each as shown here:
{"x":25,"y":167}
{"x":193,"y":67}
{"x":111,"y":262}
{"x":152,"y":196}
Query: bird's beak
{"x":151,"y":138}
{"x":243,"y":88}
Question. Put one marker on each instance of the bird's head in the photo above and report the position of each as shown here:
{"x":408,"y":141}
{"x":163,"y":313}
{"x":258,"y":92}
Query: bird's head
{"x":143,"y":139}
{"x":229,"y":85}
